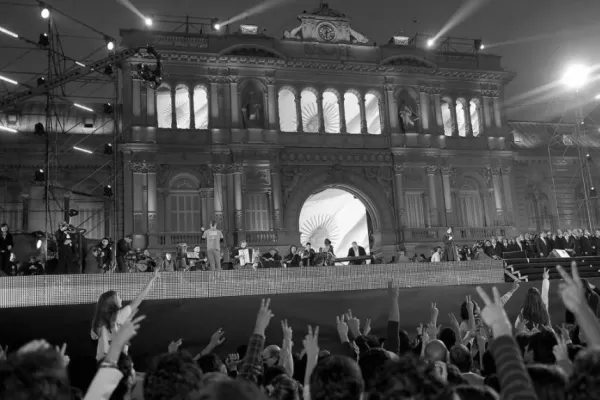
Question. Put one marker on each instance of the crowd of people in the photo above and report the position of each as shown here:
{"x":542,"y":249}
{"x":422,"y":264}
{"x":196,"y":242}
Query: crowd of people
{"x":480,"y":355}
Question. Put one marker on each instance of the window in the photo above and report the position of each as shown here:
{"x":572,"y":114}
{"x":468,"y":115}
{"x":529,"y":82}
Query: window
{"x":460,"y":119}
{"x":447,"y":117}
{"x":288,"y":121}
{"x":415,"y":211}
{"x":184,"y":212}
{"x":91,"y":218}
{"x":310,"y":112}
{"x":258,"y":216}
{"x":474,"y":110}
{"x":470,"y":208}
{"x":182,"y":107}
{"x":331,"y":112}
{"x":352,"y":111}
{"x":163,"y":107}
{"x":372,"y":114}
{"x":201,"y":107}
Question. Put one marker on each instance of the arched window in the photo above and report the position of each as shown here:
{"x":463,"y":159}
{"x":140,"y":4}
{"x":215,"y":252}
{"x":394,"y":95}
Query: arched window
{"x":352,"y":111}
{"x":252,"y":95}
{"x":372,"y":114}
{"x":310,"y":111}
{"x":164,"y":112}
{"x":288,"y":121}
{"x":182,"y":107}
{"x":538,"y":209}
{"x":460,"y":118}
{"x":183,"y":205}
{"x":331,"y":112}
{"x":408,"y":116}
{"x":447,"y":117}
{"x":470,"y":205}
{"x":474,"y":111}
{"x":201,"y":107}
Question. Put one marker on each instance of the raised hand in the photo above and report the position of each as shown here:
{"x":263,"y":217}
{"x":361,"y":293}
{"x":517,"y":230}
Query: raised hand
{"x":232,"y":361}
{"x":454,"y":322}
{"x":342,"y":327}
{"x":353,"y":324}
{"x":217,"y":338}
{"x":62,"y":350}
{"x":420,"y":329}
{"x":263,"y":318}
{"x":287,"y":331}
{"x":560,"y":350}
{"x":493,"y":313}
{"x":174,"y":346}
{"x":546,"y":275}
{"x":129,"y":329}
{"x":434,"y":313}
{"x":311,"y":343}
{"x":367,"y":327}
{"x":564,"y":332}
{"x":571,"y":290}
{"x":156,"y":274}
{"x":515,"y":286}
{"x":393,"y":292}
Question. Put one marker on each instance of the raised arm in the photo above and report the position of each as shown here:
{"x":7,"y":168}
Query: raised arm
{"x":545,"y":288}
{"x":504,"y":299}
{"x":135,"y":304}
{"x":393,"y":326}
{"x":286,"y":359}
{"x":251,"y":366}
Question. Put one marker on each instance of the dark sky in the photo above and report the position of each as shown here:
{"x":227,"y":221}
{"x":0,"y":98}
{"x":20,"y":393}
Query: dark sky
{"x":571,"y":32}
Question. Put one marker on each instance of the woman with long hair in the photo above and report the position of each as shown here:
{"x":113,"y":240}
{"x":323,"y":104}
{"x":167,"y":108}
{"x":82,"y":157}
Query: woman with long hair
{"x":6,"y":245}
{"x":110,"y":315}
{"x":535,"y":306}
{"x":449,"y":247}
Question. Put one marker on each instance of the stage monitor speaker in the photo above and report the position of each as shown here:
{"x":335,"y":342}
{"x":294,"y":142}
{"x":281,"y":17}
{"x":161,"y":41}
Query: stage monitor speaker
{"x":556,"y":253}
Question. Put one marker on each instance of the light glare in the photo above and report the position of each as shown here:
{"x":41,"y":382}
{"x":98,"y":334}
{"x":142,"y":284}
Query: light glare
{"x":110,"y":45}
{"x":9,"y":33}
{"x":38,"y":244}
{"x":576,"y":76}
{"x":45,"y":13}
{"x":82,"y":150}
{"x":217,"y":27}
{"x":5,"y":79}
{"x":82,"y":65}
{"x":83,"y":107}
{"x":6,"y":129}
{"x":430,"y":42}
{"x":148,"y":21}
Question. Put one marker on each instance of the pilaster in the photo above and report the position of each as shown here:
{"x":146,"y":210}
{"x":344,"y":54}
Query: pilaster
{"x":431,"y":172}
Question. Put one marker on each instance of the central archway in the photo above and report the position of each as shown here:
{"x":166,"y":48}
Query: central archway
{"x":337,"y":215}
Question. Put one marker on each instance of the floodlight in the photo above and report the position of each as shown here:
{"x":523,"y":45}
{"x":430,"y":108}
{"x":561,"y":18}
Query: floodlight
{"x":45,"y":13}
{"x":108,"y":192}
{"x":576,"y":76}
{"x":217,"y":26}
{"x":7,"y":129}
{"x":430,"y":42}
{"x":148,"y":21}
{"x":82,"y":150}
{"x":8,"y":80}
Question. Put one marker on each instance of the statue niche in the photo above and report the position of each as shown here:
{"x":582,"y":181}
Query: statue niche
{"x":253,"y":105}
{"x":408,"y":117}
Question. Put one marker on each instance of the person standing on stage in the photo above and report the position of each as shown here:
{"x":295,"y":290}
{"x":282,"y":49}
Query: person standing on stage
{"x":213,"y":238}
{"x":123,"y":248}
{"x":6,"y":245}
{"x":66,"y":258}
{"x":449,"y":247}
{"x":357,"y":251}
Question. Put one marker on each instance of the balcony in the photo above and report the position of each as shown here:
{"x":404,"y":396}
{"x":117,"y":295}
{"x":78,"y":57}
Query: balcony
{"x":435,"y":234}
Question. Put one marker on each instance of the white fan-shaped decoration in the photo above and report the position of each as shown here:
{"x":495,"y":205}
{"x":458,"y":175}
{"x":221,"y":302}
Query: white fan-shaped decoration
{"x":310,"y":118}
{"x":318,"y":228}
{"x":331,"y":115}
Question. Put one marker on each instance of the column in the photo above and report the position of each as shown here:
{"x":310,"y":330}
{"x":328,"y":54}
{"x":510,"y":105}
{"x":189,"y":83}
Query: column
{"x":127,"y":197}
{"x":298,"y":101}
{"x":452,"y":106}
{"x":214,"y":103}
{"x":321,"y":112}
{"x":392,"y":108}
{"x":173,"y":109}
{"x":363,"y":114}
{"x":127,"y":95}
{"x":342,"y":112}
{"x":277,"y":206}
{"x":424,"y":100}
{"x":507,"y":193}
{"x":235,"y":107}
{"x":399,"y":194}
{"x":437,"y":101}
{"x":152,"y":203}
{"x":136,"y":100}
{"x":237,"y":195}
{"x":230,"y":200}
{"x":161,"y":210}
{"x":108,"y":216}
{"x":446,"y":173}
{"x":497,"y":111}
{"x":467,"y":117}
{"x":497,"y":195}
{"x":139,"y":222}
{"x":205,"y":219}
{"x":218,"y":171}
{"x":272,"y":103}
{"x":192,"y":108}
{"x":487,"y":112}
{"x":432,"y":194}
{"x":67,"y":206}
{"x":25,"y":208}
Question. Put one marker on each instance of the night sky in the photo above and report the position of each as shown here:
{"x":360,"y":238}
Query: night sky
{"x":570,"y":30}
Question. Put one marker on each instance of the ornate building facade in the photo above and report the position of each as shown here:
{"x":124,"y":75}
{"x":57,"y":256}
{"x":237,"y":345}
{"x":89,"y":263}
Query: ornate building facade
{"x":245,"y":127}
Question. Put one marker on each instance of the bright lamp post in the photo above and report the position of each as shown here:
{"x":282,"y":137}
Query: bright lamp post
{"x":575,"y":78}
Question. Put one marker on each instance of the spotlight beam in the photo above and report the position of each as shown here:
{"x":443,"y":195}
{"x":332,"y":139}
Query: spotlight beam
{"x":466,"y":9}
{"x":257,"y":9}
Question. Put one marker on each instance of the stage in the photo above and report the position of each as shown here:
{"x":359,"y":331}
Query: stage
{"x":192,"y":305}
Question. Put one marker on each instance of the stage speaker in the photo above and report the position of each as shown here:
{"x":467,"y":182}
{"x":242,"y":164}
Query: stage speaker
{"x":556,"y":253}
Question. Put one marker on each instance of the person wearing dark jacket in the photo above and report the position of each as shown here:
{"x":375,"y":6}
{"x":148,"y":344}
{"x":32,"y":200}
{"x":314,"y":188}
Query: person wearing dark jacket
{"x":6,"y":245}
{"x":357,"y":251}
{"x":542,"y":245}
{"x":586,"y":244}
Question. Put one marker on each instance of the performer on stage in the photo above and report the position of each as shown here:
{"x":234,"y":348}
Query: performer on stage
{"x":449,"y":246}
{"x":123,"y":248}
{"x":105,"y":253}
{"x":272,"y":259}
{"x":244,"y":256}
{"x":308,"y":256}
{"x":93,"y":262}
{"x":213,"y":238}
{"x":356,"y":251}
{"x":66,"y":257}
{"x":6,"y":245}
{"x":328,"y":247}
{"x":293,"y":258}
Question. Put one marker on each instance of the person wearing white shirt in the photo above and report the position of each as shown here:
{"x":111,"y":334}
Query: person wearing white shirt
{"x":437,"y":256}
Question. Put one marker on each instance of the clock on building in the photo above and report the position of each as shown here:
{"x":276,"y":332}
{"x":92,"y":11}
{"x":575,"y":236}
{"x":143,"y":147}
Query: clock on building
{"x":326,"y":32}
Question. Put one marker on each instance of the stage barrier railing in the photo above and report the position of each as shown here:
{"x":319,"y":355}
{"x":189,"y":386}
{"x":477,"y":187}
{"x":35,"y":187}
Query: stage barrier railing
{"x":49,"y":290}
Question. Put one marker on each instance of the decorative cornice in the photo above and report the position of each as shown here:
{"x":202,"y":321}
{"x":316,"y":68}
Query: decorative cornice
{"x":446,"y":171}
{"x":220,"y":168}
{"x":142,"y":167}
{"x":390,"y":87}
{"x":398,"y":169}
{"x":489,"y":93}
{"x":355,"y":157}
{"x":496,"y":171}
{"x":431,"y":169}
{"x":506,"y":171}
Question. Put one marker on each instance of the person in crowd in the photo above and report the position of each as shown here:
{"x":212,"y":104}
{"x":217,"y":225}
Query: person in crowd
{"x":213,"y":238}
{"x":449,"y":246}
{"x":357,"y":251}
{"x":542,"y":245}
{"x":106,"y":253}
{"x":402,"y":257}
{"x":66,"y":255}
{"x":271,"y":259}
{"x":6,"y":245}
{"x":587,"y":249}
{"x":167,"y":264}
{"x":292,"y":259}
{"x":123,"y":249}
{"x":308,"y":255}
{"x":110,"y":314}
{"x":94,"y":261}
{"x":244,"y":256}
{"x":437,"y":255}
{"x":596,"y":242}
{"x":535,"y":306}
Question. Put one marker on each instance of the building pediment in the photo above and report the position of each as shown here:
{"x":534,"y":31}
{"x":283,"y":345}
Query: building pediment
{"x":252,"y":50}
{"x":409,"y":61}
